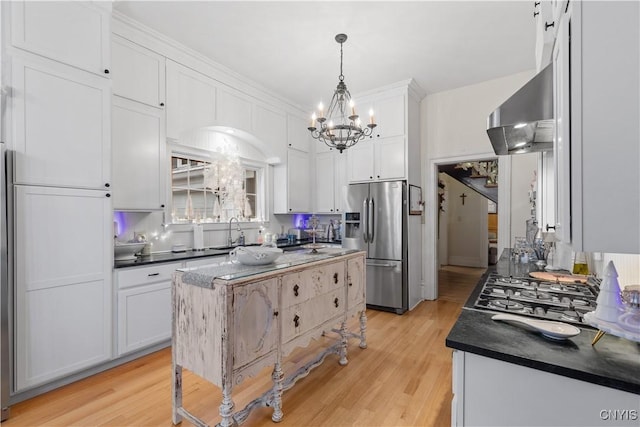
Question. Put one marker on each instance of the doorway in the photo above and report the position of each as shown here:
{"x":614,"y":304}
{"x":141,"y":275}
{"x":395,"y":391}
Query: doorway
{"x":481,"y":241}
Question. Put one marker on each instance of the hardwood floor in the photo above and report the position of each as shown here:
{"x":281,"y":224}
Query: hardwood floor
{"x":403,"y":378}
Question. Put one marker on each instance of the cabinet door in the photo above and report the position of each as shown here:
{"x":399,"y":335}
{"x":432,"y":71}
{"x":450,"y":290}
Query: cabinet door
{"x":390,"y":158}
{"x":270,"y":127}
{"x":137,"y":73}
{"x":61,"y":125}
{"x":139,"y":169}
{"x":144,"y":316}
{"x":324,"y":188}
{"x":298,"y":181}
{"x":340,"y":181}
{"x":63,"y":257}
{"x":255,"y":331}
{"x":355,"y":283}
{"x":390,"y":116}
{"x":233,"y":110}
{"x":545,"y":33}
{"x":191,"y":100}
{"x":562,"y":143}
{"x":360,"y":161}
{"x":75,"y":32}
{"x":298,"y":136}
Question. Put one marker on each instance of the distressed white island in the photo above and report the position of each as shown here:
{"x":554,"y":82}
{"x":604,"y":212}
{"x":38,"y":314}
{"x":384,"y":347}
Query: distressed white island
{"x":230,"y":321}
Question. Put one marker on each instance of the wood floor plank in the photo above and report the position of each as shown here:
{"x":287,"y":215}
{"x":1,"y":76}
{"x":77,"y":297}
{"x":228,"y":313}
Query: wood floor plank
{"x":403,"y":378}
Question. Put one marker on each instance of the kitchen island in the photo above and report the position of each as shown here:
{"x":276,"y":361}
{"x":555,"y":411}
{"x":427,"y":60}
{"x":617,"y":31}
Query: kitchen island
{"x":505,"y":375}
{"x":232,"y":320}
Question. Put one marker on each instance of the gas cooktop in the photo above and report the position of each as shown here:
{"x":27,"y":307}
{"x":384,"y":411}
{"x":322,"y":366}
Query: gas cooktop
{"x":534,"y":298}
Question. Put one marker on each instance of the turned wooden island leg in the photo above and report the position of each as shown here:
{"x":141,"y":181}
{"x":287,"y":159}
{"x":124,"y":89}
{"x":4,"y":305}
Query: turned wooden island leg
{"x":344,"y":334}
{"x":176,"y":392}
{"x":363,"y":329}
{"x":277,"y":377}
{"x":226,"y":408}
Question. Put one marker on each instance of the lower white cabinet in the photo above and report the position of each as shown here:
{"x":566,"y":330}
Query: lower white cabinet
{"x":144,"y":306}
{"x":491,"y":392}
{"x":63,"y":257}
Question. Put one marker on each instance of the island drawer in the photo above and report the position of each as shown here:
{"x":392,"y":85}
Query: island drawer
{"x":304,"y":285}
{"x":307,"y":315}
{"x":135,"y":276}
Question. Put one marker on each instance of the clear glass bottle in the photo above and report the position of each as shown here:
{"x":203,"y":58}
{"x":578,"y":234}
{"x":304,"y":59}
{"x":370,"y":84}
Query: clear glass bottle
{"x":580,"y":264}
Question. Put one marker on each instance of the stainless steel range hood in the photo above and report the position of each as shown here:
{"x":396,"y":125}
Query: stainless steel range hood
{"x":524,"y":123}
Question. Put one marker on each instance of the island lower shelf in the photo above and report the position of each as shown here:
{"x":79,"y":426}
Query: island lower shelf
{"x":227,"y":329}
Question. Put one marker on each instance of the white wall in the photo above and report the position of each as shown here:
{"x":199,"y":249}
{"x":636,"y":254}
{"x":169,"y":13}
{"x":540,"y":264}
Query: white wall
{"x":523,"y":180}
{"x":467,"y":226}
{"x":453,"y":127}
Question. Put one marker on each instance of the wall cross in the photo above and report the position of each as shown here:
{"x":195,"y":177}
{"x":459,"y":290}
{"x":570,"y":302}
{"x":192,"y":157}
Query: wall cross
{"x":463,"y":196}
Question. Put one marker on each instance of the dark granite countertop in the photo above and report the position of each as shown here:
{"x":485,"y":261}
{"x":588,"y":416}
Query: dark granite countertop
{"x":613,"y":362}
{"x":163,"y":257}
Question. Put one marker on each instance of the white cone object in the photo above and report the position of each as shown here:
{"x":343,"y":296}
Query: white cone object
{"x":609,"y":304}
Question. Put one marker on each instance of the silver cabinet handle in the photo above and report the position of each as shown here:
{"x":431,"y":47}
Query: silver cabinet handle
{"x":380,"y":265}
{"x":365,"y":221}
{"x":371,"y":220}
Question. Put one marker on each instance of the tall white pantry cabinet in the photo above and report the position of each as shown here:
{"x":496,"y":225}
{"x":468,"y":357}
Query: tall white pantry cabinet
{"x":57,"y":124}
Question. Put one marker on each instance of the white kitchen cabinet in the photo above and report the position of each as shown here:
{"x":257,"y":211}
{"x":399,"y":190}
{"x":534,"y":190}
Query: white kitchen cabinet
{"x":144,"y":306}
{"x":291,"y":184}
{"x":63,"y":257}
{"x":492,"y":392}
{"x":599,"y":199}
{"x":270,"y":127}
{"x":389,"y":114}
{"x":233,"y":109}
{"x":546,"y":28}
{"x":191,"y":100}
{"x":298,"y":135}
{"x":75,"y":33}
{"x":330,"y":181}
{"x":138,"y":151}
{"x":378,"y":159}
{"x":60,"y":124}
{"x":137,"y":73}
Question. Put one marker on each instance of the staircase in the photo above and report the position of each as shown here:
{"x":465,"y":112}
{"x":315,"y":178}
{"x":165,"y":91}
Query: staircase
{"x":481,"y":177}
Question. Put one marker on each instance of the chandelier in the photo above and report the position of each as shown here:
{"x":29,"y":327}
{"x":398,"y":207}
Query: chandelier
{"x":341,"y":127}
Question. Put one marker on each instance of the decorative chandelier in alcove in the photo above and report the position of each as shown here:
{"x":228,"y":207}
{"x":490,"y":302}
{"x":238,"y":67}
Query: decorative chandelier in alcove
{"x":340,"y":127}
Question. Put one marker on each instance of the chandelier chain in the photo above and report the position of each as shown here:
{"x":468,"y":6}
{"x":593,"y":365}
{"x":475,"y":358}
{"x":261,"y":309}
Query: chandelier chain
{"x":341,"y":76}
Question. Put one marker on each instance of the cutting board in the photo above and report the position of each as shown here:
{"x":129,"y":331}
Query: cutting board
{"x":558,"y":277}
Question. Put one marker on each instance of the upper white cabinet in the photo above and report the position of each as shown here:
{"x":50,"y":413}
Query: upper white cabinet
{"x":546,"y":26}
{"x":61,"y":128}
{"x":234,"y":109}
{"x":191,"y":100}
{"x":73,"y":32}
{"x":393,"y":150}
{"x":298,"y":135}
{"x":138,"y":156}
{"x":270,"y":126}
{"x":291,"y":184}
{"x":382,"y":159}
{"x":599,"y":202}
{"x":137,"y":73}
{"x":389,"y":114}
{"x":63,"y":254}
{"x":330,"y":182}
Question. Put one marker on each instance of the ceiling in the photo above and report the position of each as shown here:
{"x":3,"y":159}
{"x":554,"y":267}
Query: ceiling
{"x":289,"y":47}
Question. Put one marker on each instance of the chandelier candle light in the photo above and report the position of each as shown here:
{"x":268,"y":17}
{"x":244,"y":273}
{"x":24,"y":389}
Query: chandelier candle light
{"x":341,"y":127}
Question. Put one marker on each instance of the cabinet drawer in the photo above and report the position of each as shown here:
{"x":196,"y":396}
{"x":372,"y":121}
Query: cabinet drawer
{"x":300,"y":287}
{"x":307,"y":315}
{"x":143,"y":275}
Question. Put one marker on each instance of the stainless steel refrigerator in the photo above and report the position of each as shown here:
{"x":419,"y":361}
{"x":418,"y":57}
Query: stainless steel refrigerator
{"x":375,"y":220}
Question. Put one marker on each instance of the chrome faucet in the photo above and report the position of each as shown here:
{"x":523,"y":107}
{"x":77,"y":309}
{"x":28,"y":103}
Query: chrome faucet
{"x":240,"y":238}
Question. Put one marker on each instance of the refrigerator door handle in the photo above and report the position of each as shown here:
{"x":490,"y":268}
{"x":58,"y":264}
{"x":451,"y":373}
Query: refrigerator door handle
{"x":371,"y":220}
{"x":372,"y":264}
{"x":365,"y":223}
